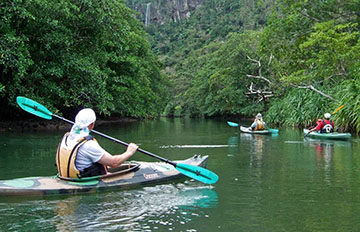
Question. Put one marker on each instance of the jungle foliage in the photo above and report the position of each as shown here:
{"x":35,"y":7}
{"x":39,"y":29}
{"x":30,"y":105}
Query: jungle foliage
{"x":69,"y":54}
{"x":205,"y":57}
{"x":292,"y":60}
{"x":315,"y":45}
{"x":304,"y":52}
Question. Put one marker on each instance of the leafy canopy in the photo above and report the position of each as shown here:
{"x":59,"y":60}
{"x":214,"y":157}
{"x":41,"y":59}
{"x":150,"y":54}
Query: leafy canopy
{"x":72,"y":54}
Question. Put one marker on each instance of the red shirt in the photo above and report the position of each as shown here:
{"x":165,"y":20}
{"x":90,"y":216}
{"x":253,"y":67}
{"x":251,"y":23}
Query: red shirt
{"x":321,"y":124}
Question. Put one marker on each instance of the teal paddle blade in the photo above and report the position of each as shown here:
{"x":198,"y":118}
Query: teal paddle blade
{"x":274,"y":130}
{"x":197,"y":173}
{"x":33,"y":107}
{"x":232,"y":124}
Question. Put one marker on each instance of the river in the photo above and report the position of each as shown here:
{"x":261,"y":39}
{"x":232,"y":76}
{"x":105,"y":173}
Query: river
{"x":281,"y":182}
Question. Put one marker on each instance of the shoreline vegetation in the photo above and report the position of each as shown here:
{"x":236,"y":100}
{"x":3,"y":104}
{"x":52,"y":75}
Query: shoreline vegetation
{"x":35,"y":124}
{"x":219,"y":62}
{"x":44,"y":125}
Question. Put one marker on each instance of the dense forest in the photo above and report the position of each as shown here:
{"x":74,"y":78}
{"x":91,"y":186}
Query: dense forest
{"x":73,"y":54}
{"x":292,"y":60}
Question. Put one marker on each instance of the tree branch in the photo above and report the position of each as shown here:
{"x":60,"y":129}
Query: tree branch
{"x":305,"y":14}
{"x":262,"y":94}
{"x":270,"y":59}
{"x":259,"y":77}
{"x":316,"y":90}
{"x":255,"y":61}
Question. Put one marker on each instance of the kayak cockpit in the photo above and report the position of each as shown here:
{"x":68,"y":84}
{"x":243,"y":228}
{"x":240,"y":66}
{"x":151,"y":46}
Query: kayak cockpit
{"x":122,"y":169}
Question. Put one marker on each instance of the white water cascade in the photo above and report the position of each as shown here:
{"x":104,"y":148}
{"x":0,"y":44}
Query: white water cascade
{"x":147,"y":15}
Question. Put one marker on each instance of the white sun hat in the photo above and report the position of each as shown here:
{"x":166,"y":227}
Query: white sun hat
{"x":82,"y":120}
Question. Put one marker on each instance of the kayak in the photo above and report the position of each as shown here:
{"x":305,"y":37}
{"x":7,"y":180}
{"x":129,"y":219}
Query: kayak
{"x":126,"y":176}
{"x":333,"y":135}
{"x":248,"y":130}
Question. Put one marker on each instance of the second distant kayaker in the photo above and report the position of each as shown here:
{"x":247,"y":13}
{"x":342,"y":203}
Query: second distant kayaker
{"x":258,"y":123}
{"x":80,"y":155}
{"x":324,"y":126}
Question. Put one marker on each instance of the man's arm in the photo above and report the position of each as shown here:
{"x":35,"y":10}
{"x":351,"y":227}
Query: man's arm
{"x":253,"y":125}
{"x":114,"y":161}
{"x":319,"y":126}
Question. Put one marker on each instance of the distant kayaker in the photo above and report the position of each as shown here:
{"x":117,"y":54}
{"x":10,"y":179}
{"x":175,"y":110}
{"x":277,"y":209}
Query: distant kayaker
{"x":80,"y":155}
{"x":258,"y":123}
{"x":324,"y":126}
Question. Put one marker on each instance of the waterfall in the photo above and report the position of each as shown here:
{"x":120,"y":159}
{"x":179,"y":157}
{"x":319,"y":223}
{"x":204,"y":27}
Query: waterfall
{"x":147,"y":15}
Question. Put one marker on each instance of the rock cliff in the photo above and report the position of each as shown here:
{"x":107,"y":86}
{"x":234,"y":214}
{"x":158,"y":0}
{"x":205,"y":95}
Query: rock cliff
{"x":164,"y":11}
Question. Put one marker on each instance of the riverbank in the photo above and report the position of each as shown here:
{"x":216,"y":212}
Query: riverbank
{"x":38,"y":124}
{"x":47,"y":125}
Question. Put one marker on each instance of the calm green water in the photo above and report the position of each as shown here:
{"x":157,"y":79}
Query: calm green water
{"x":267,"y":183}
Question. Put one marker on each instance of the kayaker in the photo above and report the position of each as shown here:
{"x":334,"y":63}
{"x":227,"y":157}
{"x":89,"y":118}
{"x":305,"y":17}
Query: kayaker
{"x":324,"y":126}
{"x":316,"y":124}
{"x":80,"y":155}
{"x":258,"y":123}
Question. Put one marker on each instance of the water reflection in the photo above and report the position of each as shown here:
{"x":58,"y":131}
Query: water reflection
{"x":256,"y":146}
{"x":142,"y":209}
{"x":325,"y":153}
{"x":324,"y":149}
{"x":233,"y":141}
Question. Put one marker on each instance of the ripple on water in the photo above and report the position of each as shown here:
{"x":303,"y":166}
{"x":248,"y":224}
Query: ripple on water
{"x":145,"y":209}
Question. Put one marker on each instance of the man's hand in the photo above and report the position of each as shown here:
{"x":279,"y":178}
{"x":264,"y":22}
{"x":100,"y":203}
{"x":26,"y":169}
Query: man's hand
{"x":132,"y":148}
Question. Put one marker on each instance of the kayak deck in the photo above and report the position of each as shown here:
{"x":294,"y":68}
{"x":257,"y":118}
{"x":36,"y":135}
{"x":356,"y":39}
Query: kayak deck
{"x":248,"y":130}
{"x":144,"y":173}
{"x":333,"y":135}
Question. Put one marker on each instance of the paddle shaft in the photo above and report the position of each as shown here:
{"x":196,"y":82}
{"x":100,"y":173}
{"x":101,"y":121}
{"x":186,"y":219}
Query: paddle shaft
{"x":338,"y":109}
{"x":121,"y":142}
{"x":307,"y":134}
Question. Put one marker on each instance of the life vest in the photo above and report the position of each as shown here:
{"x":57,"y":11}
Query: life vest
{"x":259,"y":125}
{"x":66,"y":156}
{"x":328,"y":128}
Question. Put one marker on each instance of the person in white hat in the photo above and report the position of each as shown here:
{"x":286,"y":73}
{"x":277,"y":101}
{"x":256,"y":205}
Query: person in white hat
{"x":325,"y":126}
{"x":80,"y":155}
{"x":258,"y":123}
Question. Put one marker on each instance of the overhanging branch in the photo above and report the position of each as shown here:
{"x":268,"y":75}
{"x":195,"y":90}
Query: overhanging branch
{"x":316,"y":90}
{"x":259,"y":77}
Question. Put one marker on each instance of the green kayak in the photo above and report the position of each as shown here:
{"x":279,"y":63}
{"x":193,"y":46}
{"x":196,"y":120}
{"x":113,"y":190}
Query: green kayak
{"x":126,"y":176}
{"x":248,"y":130}
{"x":334,"y":135}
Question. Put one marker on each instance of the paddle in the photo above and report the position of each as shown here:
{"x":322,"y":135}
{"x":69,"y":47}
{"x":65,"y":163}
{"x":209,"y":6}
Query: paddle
{"x":307,"y":133}
{"x":274,"y":131}
{"x":195,"y":172}
{"x":332,"y":113}
{"x":233,"y":124}
{"x":338,"y":109}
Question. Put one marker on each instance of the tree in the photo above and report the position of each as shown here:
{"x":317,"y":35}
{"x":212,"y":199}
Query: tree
{"x":314,"y":44}
{"x":72,"y":54}
{"x":220,"y":82}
